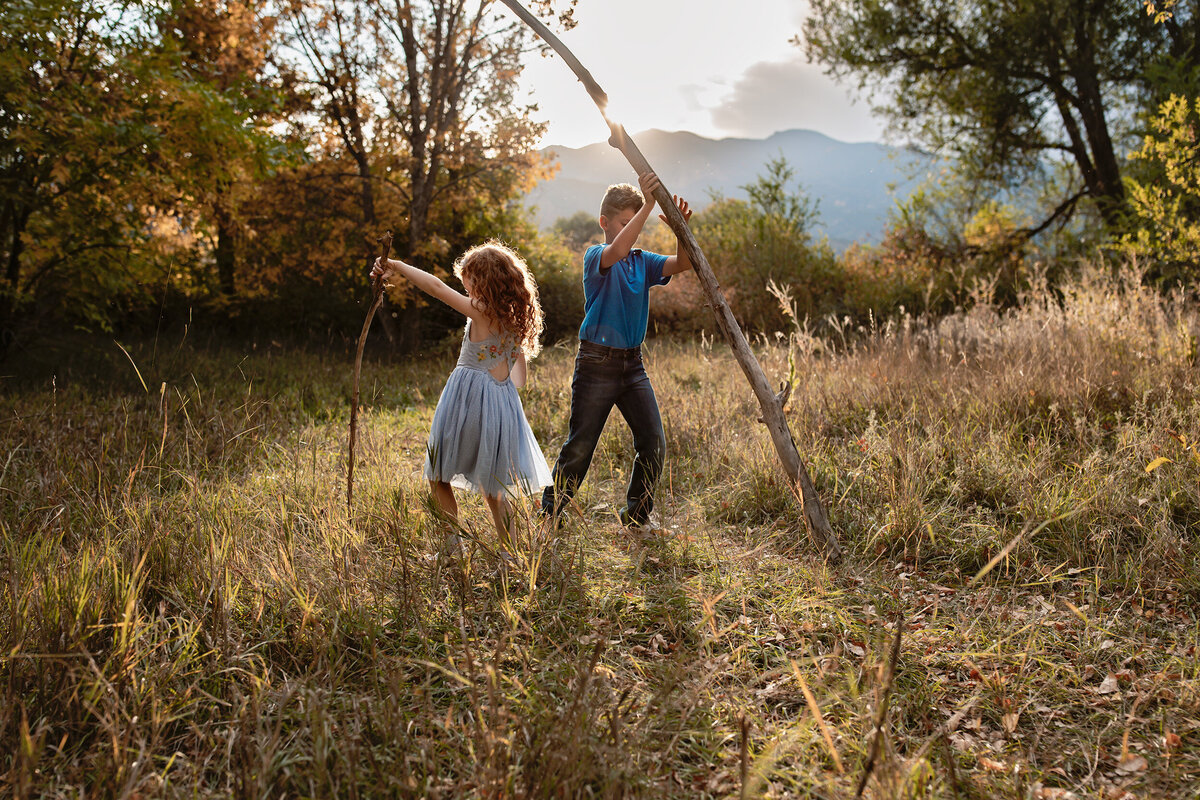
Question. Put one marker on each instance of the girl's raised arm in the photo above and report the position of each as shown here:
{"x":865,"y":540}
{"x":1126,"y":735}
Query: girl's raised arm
{"x":431,"y":285}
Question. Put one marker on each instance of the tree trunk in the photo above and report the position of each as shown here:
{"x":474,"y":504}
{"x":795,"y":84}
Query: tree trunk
{"x":226,"y":253}
{"x":367,"y":201}
{"x":1109,"y":191}
{"x":16,"y":227}
{"x":366,"y":197}
{"x":7,"y":213}
{"x":15,"y":221}
{"x":772,"y":409}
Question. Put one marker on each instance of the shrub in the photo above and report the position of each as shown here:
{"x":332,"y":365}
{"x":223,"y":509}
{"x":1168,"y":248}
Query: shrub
{"x":750,"y":243}
{"x":1165,"y":203}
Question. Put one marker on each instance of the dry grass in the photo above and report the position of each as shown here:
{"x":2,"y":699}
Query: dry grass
{"x":187,"y":609}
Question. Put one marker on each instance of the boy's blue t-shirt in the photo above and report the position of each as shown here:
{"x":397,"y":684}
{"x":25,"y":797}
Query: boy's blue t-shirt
{"x":616,"y":301}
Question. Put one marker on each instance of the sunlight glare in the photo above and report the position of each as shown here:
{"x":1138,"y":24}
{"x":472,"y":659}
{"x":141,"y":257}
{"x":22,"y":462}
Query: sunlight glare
{"x":626,"y":111}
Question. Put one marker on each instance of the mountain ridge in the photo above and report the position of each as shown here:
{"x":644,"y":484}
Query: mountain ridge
{"x":855,"y":184}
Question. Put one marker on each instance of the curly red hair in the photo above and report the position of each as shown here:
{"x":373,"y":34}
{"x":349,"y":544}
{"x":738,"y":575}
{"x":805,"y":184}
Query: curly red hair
{"x":502,"y":285}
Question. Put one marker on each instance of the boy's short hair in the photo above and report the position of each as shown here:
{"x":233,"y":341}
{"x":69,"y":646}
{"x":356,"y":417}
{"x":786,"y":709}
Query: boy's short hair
{"x":619,"y":197}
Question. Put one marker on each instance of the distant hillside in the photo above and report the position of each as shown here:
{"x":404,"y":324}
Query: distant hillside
{"x":855,"y":185}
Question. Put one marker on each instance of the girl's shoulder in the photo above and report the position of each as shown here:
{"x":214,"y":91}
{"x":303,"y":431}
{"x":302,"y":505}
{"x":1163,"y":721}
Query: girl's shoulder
{"x":485,"y":328}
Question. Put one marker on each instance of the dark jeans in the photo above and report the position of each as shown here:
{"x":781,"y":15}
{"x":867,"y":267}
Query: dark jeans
{"x":604,"y":377}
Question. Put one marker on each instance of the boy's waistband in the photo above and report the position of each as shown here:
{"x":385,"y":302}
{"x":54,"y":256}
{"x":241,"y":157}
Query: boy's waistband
{"x":604,"y":349}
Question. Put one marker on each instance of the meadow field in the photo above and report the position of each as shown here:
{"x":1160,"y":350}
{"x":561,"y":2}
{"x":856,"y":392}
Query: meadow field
{"x":188,"y":609}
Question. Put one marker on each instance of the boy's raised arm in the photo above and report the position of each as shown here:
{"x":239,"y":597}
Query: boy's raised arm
{"x":623,"y":243}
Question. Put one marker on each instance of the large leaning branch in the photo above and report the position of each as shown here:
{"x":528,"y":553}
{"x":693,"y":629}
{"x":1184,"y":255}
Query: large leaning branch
{"x":772,"y":409}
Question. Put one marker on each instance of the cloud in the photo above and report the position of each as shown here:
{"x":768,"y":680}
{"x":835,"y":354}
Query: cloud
{"x":772,"y":96}
{"x":800,"y":15}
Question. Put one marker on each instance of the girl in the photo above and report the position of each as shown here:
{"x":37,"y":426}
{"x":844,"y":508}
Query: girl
{"x":480,"y":438}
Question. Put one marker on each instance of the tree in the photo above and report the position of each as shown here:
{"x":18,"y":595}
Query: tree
{"x":452,"y":105}
{"x":229,"y":45}
{"x":428,"y":83}
{"x":1166,"y":202}
{"x":1009,"y":87}
{"x":341,"y":63}
{"x":101,"y":132}
{"x":769,"y":237}
{"x":420,"y":96}
{"x":578,"y":230}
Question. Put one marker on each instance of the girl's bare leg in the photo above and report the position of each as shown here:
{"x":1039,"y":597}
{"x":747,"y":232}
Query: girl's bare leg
{"x":501,"y":516}
{"x":443,"y":496}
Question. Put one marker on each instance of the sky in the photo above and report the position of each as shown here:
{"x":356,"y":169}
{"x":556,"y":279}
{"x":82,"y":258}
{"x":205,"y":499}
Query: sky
{"x":713,"y":67}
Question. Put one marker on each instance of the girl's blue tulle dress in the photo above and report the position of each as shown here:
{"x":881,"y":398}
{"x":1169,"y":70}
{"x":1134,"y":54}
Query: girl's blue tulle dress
{"x":480,"y":439}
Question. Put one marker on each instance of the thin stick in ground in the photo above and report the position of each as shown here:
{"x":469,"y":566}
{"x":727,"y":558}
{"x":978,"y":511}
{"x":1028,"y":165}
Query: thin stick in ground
{"x":881,"y":717}
{"x":385,"y":242}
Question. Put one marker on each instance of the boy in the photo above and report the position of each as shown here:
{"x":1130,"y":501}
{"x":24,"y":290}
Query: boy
{"x":608,"y":367}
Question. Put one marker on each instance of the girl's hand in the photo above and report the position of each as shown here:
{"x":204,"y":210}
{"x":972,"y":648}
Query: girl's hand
{"x":381,"y":271}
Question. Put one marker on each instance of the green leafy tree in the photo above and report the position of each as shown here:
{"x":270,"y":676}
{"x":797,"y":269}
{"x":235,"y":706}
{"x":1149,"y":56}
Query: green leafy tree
{"x":1165,"y":203}
{"x":108,"y":139}
{"x":769,"y":237}
{"x":230,"y":48}
{"x":74,"y":91}
{"x":1010,"y":88}
{"x":578,"y":230}
{"x":945,"y":245}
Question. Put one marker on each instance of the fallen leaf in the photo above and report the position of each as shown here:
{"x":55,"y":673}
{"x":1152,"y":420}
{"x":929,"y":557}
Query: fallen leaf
{"x":1054,"y":793}
{"x":962,"y":741}
{"x":1132,"y":763}
{"x":1010,"y":721}
{"x":1109,"y":685}
{"x":1156,"y":463}
{"x":854,"y":649}
{"x":994,"y":766}
{"x":1172,"y":741}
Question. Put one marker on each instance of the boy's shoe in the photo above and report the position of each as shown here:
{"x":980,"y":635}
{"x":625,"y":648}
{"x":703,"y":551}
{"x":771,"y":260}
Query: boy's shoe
{"x":550,"y":521}
{"x":643,"y":529}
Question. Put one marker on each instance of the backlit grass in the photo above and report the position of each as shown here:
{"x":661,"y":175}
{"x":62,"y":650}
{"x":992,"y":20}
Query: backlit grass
{"x":188,"y":609}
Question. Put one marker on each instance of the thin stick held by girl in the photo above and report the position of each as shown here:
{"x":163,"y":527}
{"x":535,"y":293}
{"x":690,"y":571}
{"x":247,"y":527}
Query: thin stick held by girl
{"x":480,"y":439}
